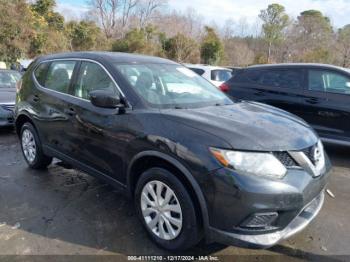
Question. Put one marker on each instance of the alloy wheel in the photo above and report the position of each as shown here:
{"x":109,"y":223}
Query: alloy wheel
{"x":29,"y":145}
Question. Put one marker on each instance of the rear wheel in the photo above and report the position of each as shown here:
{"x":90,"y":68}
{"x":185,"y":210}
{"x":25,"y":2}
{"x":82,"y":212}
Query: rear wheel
{"x":166,"y":210}
{"x":31,"y":148}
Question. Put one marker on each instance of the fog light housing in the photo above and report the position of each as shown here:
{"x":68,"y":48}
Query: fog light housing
{"x":260,"y":220}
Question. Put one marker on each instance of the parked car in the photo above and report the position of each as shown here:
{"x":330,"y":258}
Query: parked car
{"x":196,"y":163}
{"x":214,"y":74}
{"x":3,"y":65}
{"x":320,"y":94}
{"x":25,"y":63}
{"x":233,"y":69}
{"x":8,"y":80}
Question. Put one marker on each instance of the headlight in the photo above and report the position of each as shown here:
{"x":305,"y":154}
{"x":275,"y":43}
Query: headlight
{"x":260,"y":164}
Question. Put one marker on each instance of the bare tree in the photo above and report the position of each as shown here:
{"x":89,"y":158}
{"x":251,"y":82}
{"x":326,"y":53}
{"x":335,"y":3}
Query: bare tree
{"x":146,"y":9}
{"x":128,"y":6}
{"x":107,"y":11}
{"x":237,"y":52}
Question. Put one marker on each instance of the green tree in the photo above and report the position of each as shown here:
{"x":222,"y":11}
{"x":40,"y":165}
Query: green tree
{"x":144,"y":41}
{"x":16,"y":30}
{"x":211,"y":47}
{"x":45,"y":8}
{"x":42,"y":7}
{"x":315,"y":36}
{"x":182,"y":49}
{"x":83,"y":35}
{"x":275,"y":21}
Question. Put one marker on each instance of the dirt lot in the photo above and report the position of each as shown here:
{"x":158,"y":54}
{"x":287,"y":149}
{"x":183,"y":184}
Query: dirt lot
{"x":65,"y":212}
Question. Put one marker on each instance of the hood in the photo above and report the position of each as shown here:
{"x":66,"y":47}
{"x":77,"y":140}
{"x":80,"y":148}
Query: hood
{"x":249,"y":126}
{"x":7,"y":95}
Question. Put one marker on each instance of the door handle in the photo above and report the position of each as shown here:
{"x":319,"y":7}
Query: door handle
{"x":312,"y":100}
{"x":36,"y":98}
{"x":259,"y":93}
{"x":327,"y":114}
{"x":70,"y":112}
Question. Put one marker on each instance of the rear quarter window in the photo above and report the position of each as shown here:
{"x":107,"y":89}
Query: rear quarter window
{"x":40,"y":73}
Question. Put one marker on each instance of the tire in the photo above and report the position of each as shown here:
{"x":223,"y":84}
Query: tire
{"x":32,"y":148}
{"x":180,"y":237}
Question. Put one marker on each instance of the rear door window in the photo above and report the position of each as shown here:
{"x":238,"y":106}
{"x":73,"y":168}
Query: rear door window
{"x":328,"y":81}
{"x":59,"y":76}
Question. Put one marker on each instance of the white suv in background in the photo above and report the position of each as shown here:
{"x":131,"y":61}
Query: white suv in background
{"x":214,"y":74}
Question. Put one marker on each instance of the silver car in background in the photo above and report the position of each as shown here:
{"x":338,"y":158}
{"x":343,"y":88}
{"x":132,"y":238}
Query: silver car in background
{"x":8,"y":81}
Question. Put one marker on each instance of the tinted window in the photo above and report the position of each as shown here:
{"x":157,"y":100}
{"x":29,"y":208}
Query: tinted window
{"x":291,"y":78}
{"x":198,"y":71}
{"x":281,"y":78}
{"x":251,"y":76}
{"x":40,"y":73}
{"x":8,"y":79}
{"x":221,"y":75}
{"x":328,"y":81}
{"x":59,"y":75}
{"x":92,"y":77}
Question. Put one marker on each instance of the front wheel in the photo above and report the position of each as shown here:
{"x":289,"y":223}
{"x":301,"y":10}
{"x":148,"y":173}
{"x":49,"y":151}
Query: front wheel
{"x":31,"y":148}
{"x":166,"y":210}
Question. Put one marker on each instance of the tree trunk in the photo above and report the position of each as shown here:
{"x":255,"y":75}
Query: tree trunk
{"x":269,"y":52}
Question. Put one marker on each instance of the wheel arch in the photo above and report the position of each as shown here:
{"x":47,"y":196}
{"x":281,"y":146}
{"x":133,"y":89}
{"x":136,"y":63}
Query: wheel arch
{"x":147,"y":159}
{"x":21,"y":119}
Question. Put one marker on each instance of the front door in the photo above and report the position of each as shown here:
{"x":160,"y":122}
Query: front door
{"x":100,"y":135}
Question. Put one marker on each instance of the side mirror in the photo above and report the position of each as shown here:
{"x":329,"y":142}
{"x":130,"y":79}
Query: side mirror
{"x":105,"y":99}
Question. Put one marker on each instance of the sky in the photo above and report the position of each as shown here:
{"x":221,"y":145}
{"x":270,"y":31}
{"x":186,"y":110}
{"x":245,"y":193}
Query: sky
{"x":220,"y":11}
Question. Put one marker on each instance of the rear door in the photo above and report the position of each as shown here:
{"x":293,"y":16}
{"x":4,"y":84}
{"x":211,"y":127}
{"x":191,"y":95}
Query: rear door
{"x":50,"y":101}
{"x":282,"y":88}
{"x":326,"y":105}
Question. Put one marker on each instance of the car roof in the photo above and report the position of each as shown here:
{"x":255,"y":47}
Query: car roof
{"x":9,"y":70}
{"x":209,"y":67}
{"x":294,"y":65}
{"x":109,"y":56}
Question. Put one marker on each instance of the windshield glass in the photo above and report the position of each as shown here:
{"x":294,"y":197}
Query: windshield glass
{"x":8,"y":79}
{"x":221,"y":75}
{"x":166,"y":86}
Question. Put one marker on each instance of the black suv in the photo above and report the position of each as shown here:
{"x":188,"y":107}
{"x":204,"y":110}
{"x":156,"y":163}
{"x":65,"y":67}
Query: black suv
{"x":320,"y":94}
{"x":196,"y":163}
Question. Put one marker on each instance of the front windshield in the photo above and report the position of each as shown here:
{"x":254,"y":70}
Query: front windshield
{"x":8,"y":79}
{"x":167,"y":86}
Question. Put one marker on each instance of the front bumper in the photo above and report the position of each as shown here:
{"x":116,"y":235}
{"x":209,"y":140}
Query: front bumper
{"x":237,"y":198}
{"x":308,"y":213}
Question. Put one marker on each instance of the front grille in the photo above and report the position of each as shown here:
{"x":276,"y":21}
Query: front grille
{"x":8,"y":107}
{"x":309,"y":153}
{"x":285,"y":159}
